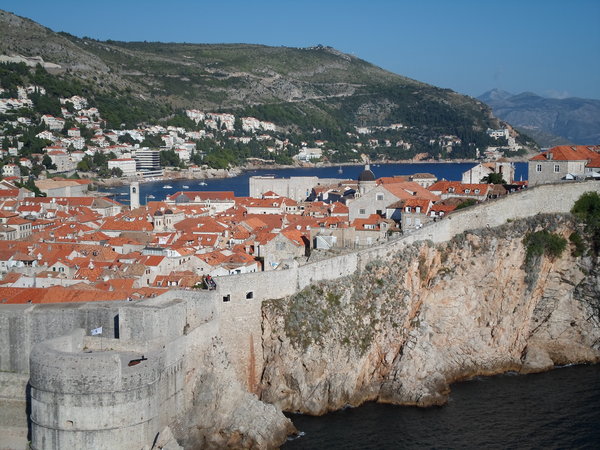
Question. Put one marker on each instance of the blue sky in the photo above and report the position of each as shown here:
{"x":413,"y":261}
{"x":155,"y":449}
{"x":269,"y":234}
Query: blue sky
{"x":548,"y":47}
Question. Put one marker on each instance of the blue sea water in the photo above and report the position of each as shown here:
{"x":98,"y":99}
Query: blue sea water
{"x":239,"y":184}
{"x":553,"y":410}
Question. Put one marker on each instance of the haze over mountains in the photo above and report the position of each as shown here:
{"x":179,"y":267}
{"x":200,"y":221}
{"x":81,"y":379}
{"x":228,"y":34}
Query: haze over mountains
{"x":549,"y":121}
{"x":316,"y":90}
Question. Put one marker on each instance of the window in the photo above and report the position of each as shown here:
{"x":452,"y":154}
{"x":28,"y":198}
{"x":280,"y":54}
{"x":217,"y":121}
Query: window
{"x":418,"y":210}
{"x":556,"y":168}
{"x":379,"y":197}
{"x":249,"y":295}
{"x":476,"y":191}
{"x":361,"y":211}
{"x":451,"y":189}
{"x":467,"y":191}
{"x":538,"y":168}
{"x":227,"y":297}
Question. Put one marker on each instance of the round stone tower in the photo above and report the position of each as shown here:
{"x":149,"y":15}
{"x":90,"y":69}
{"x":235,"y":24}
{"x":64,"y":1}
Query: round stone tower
{"x":99,"y":400}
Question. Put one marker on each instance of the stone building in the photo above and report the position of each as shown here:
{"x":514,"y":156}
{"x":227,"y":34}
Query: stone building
{"x":562,"y":163}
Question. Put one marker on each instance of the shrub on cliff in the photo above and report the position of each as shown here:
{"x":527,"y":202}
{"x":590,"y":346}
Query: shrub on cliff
{"x":544,"y":243}
{"x":587,"y":209}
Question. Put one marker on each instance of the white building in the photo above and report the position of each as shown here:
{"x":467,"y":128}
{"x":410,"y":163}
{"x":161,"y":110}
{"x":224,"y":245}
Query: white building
{"x":11,"y":170}
{"x":61,"y":160}
{"x":308,"y":154}
{"x":147,"y":159}
{"x":127,"y":165}
{"x":74,"y":132}
{"x":195,"y":115}
{"x":53,"y":123}
{"x":501,"y":133}
{"x":183,"y":153}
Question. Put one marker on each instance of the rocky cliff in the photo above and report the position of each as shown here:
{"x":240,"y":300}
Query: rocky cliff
{"x":410,"y":324}
{"x":223,"y":414}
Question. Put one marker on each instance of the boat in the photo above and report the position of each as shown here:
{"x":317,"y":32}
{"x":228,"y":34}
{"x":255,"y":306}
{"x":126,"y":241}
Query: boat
{"x":167,"y":186}
{"x":202,"y":183}
{"x":340,"y":170}
{"x":151,"y":196}
{"x":124,"y":193}
{"x":185,"y":186}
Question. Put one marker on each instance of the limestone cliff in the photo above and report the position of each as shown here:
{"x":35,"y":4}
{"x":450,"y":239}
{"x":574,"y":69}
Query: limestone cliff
{"x":222,"y":413}
{"x":411,"y":323}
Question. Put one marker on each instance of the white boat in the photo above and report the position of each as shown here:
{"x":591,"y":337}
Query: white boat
{"x":340,"y":170}
{"x":167,"y":186}
{"x":151,"y":196}
{"x":202,"y":183}
{"x":185,"y":186}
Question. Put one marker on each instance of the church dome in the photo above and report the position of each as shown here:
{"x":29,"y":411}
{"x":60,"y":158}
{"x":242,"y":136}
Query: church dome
{"x":366,"y":175}
{"x":168,"y":211}
{"x":158,"y":213}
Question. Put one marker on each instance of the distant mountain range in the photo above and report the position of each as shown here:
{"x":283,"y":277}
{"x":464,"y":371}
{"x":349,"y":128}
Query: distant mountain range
{"x":549,"y":121}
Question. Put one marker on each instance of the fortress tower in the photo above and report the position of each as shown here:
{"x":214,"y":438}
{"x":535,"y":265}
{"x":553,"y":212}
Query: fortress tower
{"x":134,"y":195}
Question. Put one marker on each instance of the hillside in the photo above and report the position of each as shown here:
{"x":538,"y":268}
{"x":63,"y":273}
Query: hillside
{"x":550,"y":121}
{"x":316,"y":93}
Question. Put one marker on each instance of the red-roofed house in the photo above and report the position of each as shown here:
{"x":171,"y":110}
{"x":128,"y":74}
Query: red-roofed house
{"x":377,"y":199}
{"x":450,"y":189}
{"x":562,"y":162}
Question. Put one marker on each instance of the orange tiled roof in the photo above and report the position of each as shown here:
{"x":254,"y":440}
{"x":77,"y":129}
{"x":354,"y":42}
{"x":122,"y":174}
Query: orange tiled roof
{"x":567,"y":153}
{"x":409,"y":189}
{"x":460,"y":188}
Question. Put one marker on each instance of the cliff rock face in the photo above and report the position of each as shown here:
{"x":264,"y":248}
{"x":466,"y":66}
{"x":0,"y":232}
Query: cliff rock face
{"x":223,"y":414}
{"x":412,"y":323}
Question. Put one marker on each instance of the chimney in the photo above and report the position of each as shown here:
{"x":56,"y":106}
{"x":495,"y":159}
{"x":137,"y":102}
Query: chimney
{"x":549,"y":156}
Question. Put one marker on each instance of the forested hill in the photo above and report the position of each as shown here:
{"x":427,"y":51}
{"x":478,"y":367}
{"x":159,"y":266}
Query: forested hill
{"x":315,"y":93}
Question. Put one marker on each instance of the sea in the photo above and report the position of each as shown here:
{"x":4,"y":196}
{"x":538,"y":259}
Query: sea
{"x":158,"y":190}
{"x":559,"y":409}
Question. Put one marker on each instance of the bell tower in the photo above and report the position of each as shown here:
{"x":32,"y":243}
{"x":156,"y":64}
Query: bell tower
{"x":134,"y":195}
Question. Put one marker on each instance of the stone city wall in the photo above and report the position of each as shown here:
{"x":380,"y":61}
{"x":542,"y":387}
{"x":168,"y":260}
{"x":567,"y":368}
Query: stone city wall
{"x":175,"y":319}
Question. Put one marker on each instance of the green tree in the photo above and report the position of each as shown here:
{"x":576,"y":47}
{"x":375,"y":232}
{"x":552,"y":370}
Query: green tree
{"x":116,"y":172}
{"x":84,"y":164}
{"x":587,"y":209}
{"x":152,"y":141}
{"x":169,"y":158}
{"x":493,"y":178}
{"x":126,"y":139}
{"x":47,"y":163}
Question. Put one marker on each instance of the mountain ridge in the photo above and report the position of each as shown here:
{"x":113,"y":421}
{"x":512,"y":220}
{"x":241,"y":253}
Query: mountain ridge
{"x":550,"y":121}
{"x":316,"y":92}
